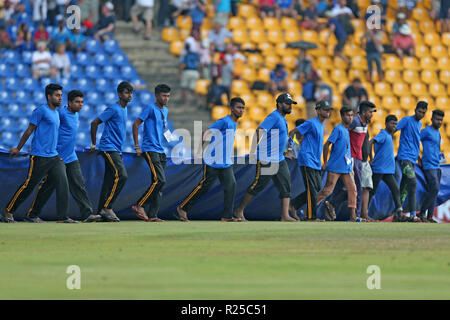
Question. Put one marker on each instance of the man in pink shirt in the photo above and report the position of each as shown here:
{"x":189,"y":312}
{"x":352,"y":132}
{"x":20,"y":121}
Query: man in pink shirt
{"x":404,"y":42}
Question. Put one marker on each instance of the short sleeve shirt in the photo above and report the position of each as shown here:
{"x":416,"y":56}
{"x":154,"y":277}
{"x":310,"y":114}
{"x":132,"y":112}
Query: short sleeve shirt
{"x":358,"y":131}
{"x":67,"y":135}
{"x":431,"y":142}
{"x":384,"y":160}
{"x":273,"y":143}
{"x":409,"y":147}
{"x":312,"y":144}
{"x":219,"y":152}
{"x":45,"y":138}
{"x":155,"y":124}
{"x":340,"y":156}
{"x":114,"y":132}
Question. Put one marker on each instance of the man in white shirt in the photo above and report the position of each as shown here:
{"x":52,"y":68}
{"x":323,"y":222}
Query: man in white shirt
{"x":217,"y":37}
{"x":341,"y":9}
{"x":144,"y":7}
{"x":41,"y":61}
{"x":60,"y":64}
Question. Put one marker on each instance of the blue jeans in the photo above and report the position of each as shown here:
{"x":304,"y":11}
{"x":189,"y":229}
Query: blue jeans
{"x":433,"y":178}
{"x":371,"y":57}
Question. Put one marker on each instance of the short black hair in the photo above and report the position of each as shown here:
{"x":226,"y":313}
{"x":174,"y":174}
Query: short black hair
{"x":366,"y":105}
{"x":299,"y":122}
{"x":124,"y":86}
{"x":422,"y":105}
{"x":235,"y":101}
{"x":74,"y":94}
{"x":162,"y":88}
{"x":438,"y":113}
{"x":345,"y":109}
{"x":391,"y":117}
{"x":52,"y":87}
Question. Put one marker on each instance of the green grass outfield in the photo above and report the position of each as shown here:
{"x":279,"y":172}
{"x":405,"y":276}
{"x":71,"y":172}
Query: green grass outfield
{"x":214,"y":260}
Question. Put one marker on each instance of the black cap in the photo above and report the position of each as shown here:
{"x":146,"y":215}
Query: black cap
{"x":366,"y":105}
{"x":323,"y":104}
{"x":285,"y":98}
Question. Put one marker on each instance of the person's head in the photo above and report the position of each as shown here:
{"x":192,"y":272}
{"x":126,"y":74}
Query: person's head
{"x":196,"y":34}
{"x":75,"y":99}
{"x":237,"y":106}
{"x":366,"y":110}
{"x":284,"y":103}
{"x":391,"y":123}
{"x":41,"y":46}
{"x":217,"y":27}
{"x":61,"y":48}
{"x":299,"y":122}
{"x":108,"y":8}
{"x":356,"y":83}
{"x":421,"y":109}
{"x":61,"y":24}
{"x":162,"y":94}
{"x":343,"y":3}
{"x":347,"y":115}
{"x":323,"y":110}
{"x":279,"y":68}
{"x":437,"y":118}
{"x":42,"y":26}
{"x":53,"y":93}
{"x":401,"y":17}
{"x":125,"y":91}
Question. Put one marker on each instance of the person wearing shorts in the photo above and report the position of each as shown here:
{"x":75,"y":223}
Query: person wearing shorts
{"x":144,"y":7}
{"x":366,"y":179}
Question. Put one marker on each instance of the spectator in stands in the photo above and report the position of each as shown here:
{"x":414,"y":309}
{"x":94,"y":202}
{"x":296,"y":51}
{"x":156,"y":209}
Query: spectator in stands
{"x":404,"y":42}
{"x":198,"y":13}
{"x":235,"y":60}
{"x":285,"y":8}
{"x":354,"y":94}
{"x":374,"y":49}
{"x":41,"y":34}
{"x":322,"y":7}
{"x":60,"y":64}
{"x":104,"y":29}
{"x":144,"y":7}
{"x":39,"y":11}
{"x":41,"y":61}
{"x":308,"y":94}
{"x":89,"y":12}
{"x":217,"y":37}
{"x":341,"y":36}
{"x":304,"y":67}
{"x":77,"y":41}
{"x":59,"y":35}
{"x":189,"y":73}
{"x":5,"y":39}
{"x":444,"y":16}
{"x":310,"y":17}
{"x":406,"y":6}
{"x":177,"y":8}
{"x":2,"y":14}
{"x":266,"y":8}
{"x":278,"y":79}
{"x":382,"y":6}
{"x":322,"y":91}
{"x":215,"y":92}
{"x":52,"y":12}
{"x":401,"y":20}
{"x":223,"y":11}
{"x":193,"y":41}
{"x":23,"y":39}
{"x":344,"y":15}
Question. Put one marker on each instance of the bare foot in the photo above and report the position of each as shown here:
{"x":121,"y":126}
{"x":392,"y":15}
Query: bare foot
{"x":288,"y":219}
{"x":293,"y":213}
{"x":182,"y":215}
{"x":239,"y":214}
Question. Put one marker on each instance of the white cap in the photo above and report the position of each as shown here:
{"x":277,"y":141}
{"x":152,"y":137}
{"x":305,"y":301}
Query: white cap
{"x":401,"y":15}
{"x":109,"y":5}
{"x":405,"y":29}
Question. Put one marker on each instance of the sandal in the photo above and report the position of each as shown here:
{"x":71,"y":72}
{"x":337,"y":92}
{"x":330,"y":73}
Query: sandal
{"x":178,"y":217}
{"x":156,"y":219}
{"x":138,"y":214}
{"x":6,"y":219}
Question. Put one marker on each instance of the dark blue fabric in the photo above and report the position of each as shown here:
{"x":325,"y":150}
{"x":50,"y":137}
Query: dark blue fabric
{"x":67,"y":134}
{"x":409,"y":147}
{"x":384,"y":161}
{"x":340,"y":155}
{"x":45,"y":137}
{"x":431,"y":142}
{"x":181,"y":179}
{"x":155,"y":124}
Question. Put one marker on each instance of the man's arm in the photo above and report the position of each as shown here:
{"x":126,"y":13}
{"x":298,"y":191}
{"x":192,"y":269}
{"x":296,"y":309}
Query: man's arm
{"x":326,"y":149}
{"x":23,"y":139}
{"x":295,"y":133}
{"x":256,"y":139}
{"x":371,"y":145}
{"x":94,"y":128}
{"x":136,"y":125}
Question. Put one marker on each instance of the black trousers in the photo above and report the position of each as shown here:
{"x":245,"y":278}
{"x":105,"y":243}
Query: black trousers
{"x":433,"y":178}
{"x":76,"y":187}
{"x":114,"y":180}
{"x":53,"y":169}
{"x":408,"y":185}
{"x":313,"y":183}
{"x":390,"y":181}
{"x":151,"y":199}
{"x":210,"y":174}
{"x":265,"y":172}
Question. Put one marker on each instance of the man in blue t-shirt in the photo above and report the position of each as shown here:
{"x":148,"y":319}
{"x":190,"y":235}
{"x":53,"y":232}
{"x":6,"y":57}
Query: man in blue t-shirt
{"x":311,"y":135}
{"x":383,"y":165}
{"x":44,"y":158}
{"x":268,"y":145}
{"x":156,"y":131}
{"x":430,"y":163}
{"x":189,"y":73}
{"x":408,"y":153}
{"x":67,"y":137}
{"x":278,"y":79}
{"x":340,"y":163}
{"x":114,"y":132}
{"x":218,"y":163}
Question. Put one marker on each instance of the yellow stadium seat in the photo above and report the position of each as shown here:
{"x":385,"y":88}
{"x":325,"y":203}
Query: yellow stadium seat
{"x":407,"y":102}
{"x":266,"y":48}
{"x":249,"y":99}
{"x":295,"y":88}
{"x":426,"y":98}
{"x":410,"y":76}
{"x":219,"y":112}
{"x":264,"y":75}
{"x":274,"y":36}
{"x":418,"y":89}
{"x":339,"y":63}
{"x":428,"y":76}
{"x":421,"y":51}
{"x":264,"y":99}
{"x":327,"y":37}
{"x":288,"y":23}
{"x":271,"y":61}
{"x":289,"y":61}
{"x":439,"y":51}
{"x":324,"y":63}
{"x":418,"y":39}
{"x":427,"y":26}
{"x":411,"y":63}
{"x":356,"y":73}
{"x":437,"y":89}
{"x":201,"y":86}
{"x":291,"y":36}
{"x":255,"y":59}
{"x":271,"y":23}
{"x":185,"y":33}
{"x":432,"y":39}
{"x":247,"y":125}
{"x":359,"y":62}
{"x":442,"y":102}
{"x":358,"y":25}
{"x":318,"y":52}
{"x":254,"y":23}
{"x":393,"y":62}
{"x":401,"y":89}
{"x":351,"y":50}
{"x":338,"y":76}
{"x":444,"y":63}
{"x":392,"y":76}
{"x":239,"y":87}
{"x":281,"y":48}
{"x":310,"y":36}
{"x":257,"y":35}
{"x":256,"y":114}
{"x":419,"y":14}
{"x":248,"y":73}
{"x":246,"y":11}
{"x":389,"y":102}
{"x":170,"y":34}
{"x":444,"y":76}
{"x":398,"y":113}
{"x":184,"y":22}
{"x":176,"y":47}
{"x":382,"y":88}
{"x":236,"y":23}
{"x":301,"y":103}
{"x":445,"y":39}
{"x":240,"y":36}
{"x":427,"y":63}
